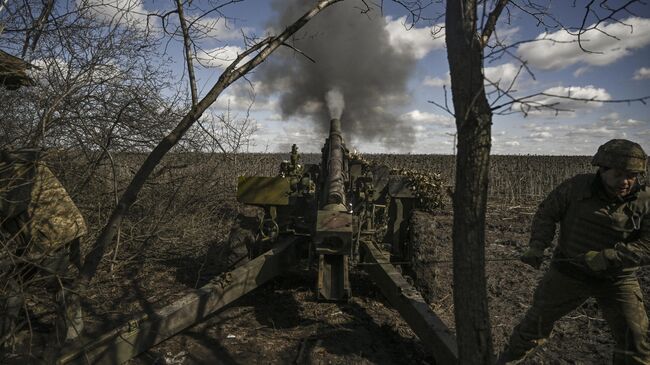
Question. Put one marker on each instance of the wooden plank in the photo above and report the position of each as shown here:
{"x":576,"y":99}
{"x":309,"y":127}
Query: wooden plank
{"x":147,"y":330}
{"x":435,"y":335}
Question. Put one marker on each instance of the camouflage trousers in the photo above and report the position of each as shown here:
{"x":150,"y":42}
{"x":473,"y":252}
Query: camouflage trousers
{"x":557,"y":294}
{"x":51,"y":268}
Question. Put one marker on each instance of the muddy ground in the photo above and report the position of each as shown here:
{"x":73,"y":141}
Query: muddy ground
{"x":282,"y":323}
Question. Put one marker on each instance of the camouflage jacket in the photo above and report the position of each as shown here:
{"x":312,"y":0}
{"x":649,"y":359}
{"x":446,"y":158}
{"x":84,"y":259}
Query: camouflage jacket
{"x":590,"y":220}
{"x":34,"y":206}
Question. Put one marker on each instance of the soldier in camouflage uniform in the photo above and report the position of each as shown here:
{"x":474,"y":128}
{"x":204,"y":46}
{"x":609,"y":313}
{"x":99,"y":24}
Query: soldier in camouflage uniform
{"x":40,"y":228}
{"x":604,"y":237}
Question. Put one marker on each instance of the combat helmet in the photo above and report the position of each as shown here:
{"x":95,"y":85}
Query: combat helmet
{"x":621,"y":154}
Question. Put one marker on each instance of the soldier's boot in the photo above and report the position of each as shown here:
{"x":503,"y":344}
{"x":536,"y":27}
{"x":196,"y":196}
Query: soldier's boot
{"x":69,"y":321}
{"x":517,"y":350}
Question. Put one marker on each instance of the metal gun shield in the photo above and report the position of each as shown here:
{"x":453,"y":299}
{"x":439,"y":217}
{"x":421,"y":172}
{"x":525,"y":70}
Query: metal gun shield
{"x":261,"y":190}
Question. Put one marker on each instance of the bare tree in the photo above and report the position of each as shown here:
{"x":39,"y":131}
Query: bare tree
{"x":470,"y":27}
{"x":473,"y":122}
{"x":236,"y":70}
{"x":84,"y":88}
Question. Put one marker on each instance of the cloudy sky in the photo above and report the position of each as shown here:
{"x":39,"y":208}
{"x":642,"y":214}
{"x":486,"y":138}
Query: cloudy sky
{"x":392,"y":74}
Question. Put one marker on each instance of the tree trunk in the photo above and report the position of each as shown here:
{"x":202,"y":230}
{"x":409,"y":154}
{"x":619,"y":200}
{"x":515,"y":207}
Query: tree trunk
{"x":473,"y":121}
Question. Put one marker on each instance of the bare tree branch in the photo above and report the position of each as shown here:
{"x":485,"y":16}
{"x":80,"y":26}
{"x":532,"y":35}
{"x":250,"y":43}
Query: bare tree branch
{"x":188,"y":52}
{"x":610,"y":16}
{"x":231,"y":74}
{"x":538,"y":106}
{"x":32,"y":39}
{"x":492,"y":20}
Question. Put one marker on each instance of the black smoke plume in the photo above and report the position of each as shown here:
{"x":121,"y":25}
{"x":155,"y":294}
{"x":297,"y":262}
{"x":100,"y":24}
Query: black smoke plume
{"x":352,"y":54}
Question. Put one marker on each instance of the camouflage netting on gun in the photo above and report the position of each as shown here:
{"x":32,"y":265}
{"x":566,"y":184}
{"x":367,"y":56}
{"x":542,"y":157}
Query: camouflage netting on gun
{"x":428,"y":187}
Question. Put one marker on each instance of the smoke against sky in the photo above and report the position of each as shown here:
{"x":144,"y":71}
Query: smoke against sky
{"x":335,"y":103}
{"x":353,"y":54}
{"x":390,"y":74}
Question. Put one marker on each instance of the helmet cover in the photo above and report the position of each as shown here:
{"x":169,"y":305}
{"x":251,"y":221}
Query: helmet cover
{"x":621,"y":154}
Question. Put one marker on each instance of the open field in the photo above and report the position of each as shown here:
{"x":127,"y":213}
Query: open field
{"x":173,"y":240}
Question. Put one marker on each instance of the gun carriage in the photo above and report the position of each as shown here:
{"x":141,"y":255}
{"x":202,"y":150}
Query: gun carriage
{"x":338,"y":203}
{"x":342,"y":212}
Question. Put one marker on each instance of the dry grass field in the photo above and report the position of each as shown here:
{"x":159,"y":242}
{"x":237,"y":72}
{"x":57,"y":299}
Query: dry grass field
{"x":173,"y":241}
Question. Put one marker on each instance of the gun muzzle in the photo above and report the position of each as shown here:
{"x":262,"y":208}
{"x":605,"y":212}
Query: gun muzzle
{"x":335,"y":181}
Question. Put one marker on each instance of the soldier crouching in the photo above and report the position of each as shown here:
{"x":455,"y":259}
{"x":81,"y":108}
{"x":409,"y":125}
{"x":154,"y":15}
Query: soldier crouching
{"x":604,"y":237}
{"x":40,"y":227}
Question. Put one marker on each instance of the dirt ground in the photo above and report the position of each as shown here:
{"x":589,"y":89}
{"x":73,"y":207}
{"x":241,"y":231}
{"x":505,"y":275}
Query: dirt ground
{"x":282,"y":323}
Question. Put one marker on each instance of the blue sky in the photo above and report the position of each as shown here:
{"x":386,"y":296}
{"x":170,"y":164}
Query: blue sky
{"x":619,"y":68}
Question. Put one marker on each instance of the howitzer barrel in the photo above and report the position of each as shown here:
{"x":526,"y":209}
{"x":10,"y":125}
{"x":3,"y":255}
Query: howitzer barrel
{"x":335,"y":165}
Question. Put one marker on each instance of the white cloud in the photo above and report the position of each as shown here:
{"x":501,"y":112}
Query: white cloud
{"x":581,"y":71}
{"x":541,"y":135}
{"x":607,"y":44}
{"x":584,"y":138}
{"x":610,"y":117}
{"x":593,"y":132}
{"x":503,"y":75}
{"x":420,"y":118}
{"x":220,"y":28}
{"x":505,"y":34}
{"x":642,"y":73}
{"x":131,"y":12}
{"x":241,"y":97}
{"x":628,"y":123}
{"x":275,"y":117}
{"x":563,"y":100}
{"x":272,"y":136}
{"x":503,"y":144}
{"x":533,"y":127}
{"x":416,"y":41}
{"x":60,"y":68}
{"x":614,"y":122}
{"x":229,"y":101}
{"x":437,"y":81}
{"x":220,"y":57}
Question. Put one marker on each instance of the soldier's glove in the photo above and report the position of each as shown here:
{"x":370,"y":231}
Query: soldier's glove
{"x":600,"y":260}
{"x":533,"y":257}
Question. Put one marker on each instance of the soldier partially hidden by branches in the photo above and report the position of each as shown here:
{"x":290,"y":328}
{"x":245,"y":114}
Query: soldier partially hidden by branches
{"x":40,"y":227}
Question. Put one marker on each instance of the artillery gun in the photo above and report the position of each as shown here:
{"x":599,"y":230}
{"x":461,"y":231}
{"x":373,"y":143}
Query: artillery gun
{"x":338,"y":203}
{"x":343,"y":212}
